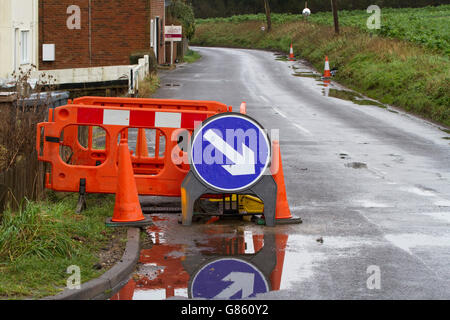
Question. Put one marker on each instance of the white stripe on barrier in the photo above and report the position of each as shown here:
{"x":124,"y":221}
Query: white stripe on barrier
{"x":116,"y":117}
{"x":167,"y":120}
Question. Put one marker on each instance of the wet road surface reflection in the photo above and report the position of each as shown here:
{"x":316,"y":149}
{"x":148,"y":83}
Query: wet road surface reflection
{"x":219,"y":260}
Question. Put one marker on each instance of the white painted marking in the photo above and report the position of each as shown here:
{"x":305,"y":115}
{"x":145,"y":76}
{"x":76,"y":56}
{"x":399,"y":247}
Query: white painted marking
{"x":442,"y":203}
{"x":168,"y":120}
{"x":444,"y":216}
{"x":241,"y":281}
{"x":295,"y":124}
{"x":244,"y":164}
{"x":408,"y":241}
{"x":420,"y":192}
{"x":370,"y":204}
{"x":265,"y":99}
{"x":303,"y":129}
{"x":116,"y":117}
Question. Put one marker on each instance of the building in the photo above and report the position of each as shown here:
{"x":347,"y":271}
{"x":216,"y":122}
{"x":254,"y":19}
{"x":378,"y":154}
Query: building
{"x":79,"y":36}
{"x":96,"y":33}
{"x":18,"y":35}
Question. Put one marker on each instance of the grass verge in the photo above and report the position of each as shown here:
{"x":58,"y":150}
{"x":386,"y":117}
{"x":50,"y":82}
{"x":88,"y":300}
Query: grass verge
{"x":191,"y":56}
{"x":149,"y":86}
{"x":395,"y":72}
{"x":39,"y":242}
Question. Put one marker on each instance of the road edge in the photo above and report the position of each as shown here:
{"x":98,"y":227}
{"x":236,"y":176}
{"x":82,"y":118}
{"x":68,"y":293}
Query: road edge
{"x":112,"y":280}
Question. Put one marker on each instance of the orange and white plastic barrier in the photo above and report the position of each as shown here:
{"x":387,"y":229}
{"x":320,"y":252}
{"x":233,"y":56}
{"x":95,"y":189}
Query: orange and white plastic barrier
{"x":108,"y":120}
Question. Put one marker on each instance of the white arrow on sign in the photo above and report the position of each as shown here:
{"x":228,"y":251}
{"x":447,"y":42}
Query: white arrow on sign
{"x":244,"y":163}
{"x":241,"y":281}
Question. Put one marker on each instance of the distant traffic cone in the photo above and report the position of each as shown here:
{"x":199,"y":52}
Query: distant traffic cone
{"x":291,"y":54}
{"x":327,"y":72}
{"x":127,"y":210}
{"x":141,"y":145}
{"x":282,"y":209}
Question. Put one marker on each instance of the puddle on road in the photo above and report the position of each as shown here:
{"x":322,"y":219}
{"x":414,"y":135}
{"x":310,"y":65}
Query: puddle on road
{"x":342,"y":94}
{"x":356,"y":165}
{"x":307,"y":75}
{"x":218,"y":261}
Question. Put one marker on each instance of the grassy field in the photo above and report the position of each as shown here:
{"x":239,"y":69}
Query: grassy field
{"x":395,"y":71}
{"x":39,"y":242}
{"x":428,"y":26}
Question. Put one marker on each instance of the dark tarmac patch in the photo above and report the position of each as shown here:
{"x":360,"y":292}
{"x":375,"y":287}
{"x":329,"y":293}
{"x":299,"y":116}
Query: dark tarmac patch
{"x":356,"y":165}
{"x":172,"y":85}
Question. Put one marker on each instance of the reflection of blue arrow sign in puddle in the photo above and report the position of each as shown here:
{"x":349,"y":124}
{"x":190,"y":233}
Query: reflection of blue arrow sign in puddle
{"x":228,"y":278}
{"x":230,"y":152}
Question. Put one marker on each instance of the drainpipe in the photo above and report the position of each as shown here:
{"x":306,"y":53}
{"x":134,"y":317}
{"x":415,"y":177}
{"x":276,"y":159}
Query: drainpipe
{"x":90,"y":36}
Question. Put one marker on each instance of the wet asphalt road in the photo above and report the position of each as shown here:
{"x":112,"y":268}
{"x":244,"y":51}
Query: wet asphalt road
{"x":373,"y":183}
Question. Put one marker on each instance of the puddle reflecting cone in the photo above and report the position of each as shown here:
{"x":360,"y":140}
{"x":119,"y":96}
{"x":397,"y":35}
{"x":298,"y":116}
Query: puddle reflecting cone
{"x":282,"y":210}
{"x":326,"y":89}
{"x":275,"y":276}
{"x":291,"y":53}
{"x":141,"y":148}
{"x":327,"y":72}
{"x":127,"y":209}
{"x":127,"y":291}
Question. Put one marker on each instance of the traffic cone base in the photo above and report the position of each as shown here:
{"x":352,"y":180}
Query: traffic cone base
{"x":142,"y":223}
{"x":127,"y":209}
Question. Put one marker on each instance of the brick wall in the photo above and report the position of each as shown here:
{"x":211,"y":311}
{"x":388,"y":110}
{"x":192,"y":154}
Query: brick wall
{"x":118,"y":28}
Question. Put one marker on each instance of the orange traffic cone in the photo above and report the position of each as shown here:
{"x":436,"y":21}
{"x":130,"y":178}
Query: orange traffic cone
{"x":327,"y":72}
{"x":291,"y":54}
{"x":282,"y":210}
{"x":127,"y":210}
{"x":141,"y":146}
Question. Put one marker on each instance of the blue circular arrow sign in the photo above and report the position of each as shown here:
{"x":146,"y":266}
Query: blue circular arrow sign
{"x":228,"y":278}
{"x":230,"y":152}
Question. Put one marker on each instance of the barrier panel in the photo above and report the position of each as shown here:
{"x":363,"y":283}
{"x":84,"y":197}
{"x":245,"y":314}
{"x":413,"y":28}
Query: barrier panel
{"x":81,"y":140}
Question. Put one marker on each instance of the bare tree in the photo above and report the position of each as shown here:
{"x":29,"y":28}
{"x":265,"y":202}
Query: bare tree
{"x":335,"y":15}
{"x":269,"y":21}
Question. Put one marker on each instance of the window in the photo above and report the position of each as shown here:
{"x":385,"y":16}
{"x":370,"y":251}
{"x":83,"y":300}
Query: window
{"x":25,"y":47}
